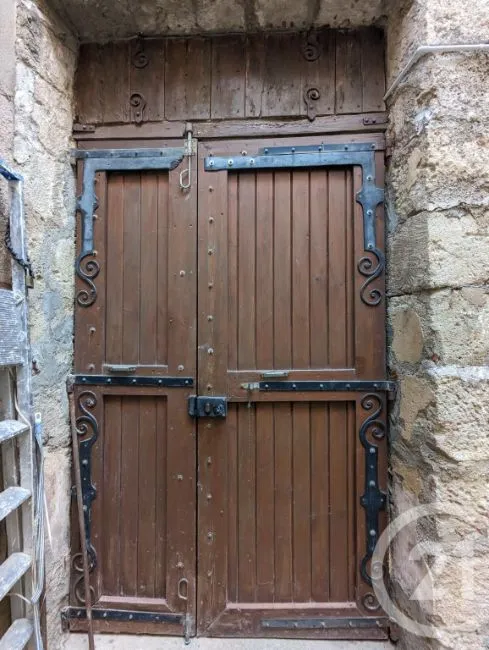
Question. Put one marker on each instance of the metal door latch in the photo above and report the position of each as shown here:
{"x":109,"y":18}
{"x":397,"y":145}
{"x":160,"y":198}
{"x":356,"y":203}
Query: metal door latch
{"x":207,"y":407}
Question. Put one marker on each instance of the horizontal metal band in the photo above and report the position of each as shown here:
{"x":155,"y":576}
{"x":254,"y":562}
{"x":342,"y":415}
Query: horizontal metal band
{"x":328,"y":386}
{"x":123,"y":615}
{"x":315,"y":148}
{"x":131,"y":380}
{"x":166,"y":152}
{"x":323,"y":623}
{"x":293,"y":157}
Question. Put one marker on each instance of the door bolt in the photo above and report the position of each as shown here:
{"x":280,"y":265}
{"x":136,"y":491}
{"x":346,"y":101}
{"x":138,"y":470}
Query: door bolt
{"x":180,"y":565}
{"x":209,"y":386}
{"x":209,"y":318}
{"x":182,"y":273}
{"x":211,"y":219}
{"x":211,"y":189}
{"x":210,"y":536}
{"x":180,"y":477}
{"x":180,"y":367}
{"x":209,"y":460}
{"x":210,"y":351}
{"x":210,"y":251}
{"x":209,"y":497}
{"x":210,"y":285}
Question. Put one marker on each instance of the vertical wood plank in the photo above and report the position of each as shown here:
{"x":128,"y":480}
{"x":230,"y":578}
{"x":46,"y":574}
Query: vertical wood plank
{"x":132,"y":271}
{"x":256,"y":47}
{"x":149,"y":81}
{"x":246,"y":504}
{"x":282,"y":92}
{"x":320,"y":517}
{"x":233,"y":304}
{"x":264,"y":270}
{"x":111,"y":491}
{"x":283,"y":502}
{"x":188,"y":78}
{"x":228,"y":70}
{"x":336,"y":270}
{"x":115,"y":269}
{"x":348,"y":72}
{"x":233,"y":506}
{"x":265,"y":504}
{"x":338,"y":505}
{"x":129,"y":496}
{"x":162,"y":268}
{"x":319,"y":266}
{"x":349,"y":270}
{"x":320,"y":74}
{"x":149,"y":263}
{"x":89,"y":84}
{"x":282,"y":342}
{"x":373,"y":69}
{"x":162,"y":470}
{"x":146,"y":552}
{"x":301,"y":270}
{"x":181,"y":277}
{"x":246,"y":271}
{"x":301,"y":469}
{"x":116,"y":83}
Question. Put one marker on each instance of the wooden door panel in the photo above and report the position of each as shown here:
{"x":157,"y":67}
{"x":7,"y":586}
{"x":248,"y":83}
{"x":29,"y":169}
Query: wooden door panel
{"x":283,"y":544}
{"x":139,"y":332}
{"x":291,"y":252}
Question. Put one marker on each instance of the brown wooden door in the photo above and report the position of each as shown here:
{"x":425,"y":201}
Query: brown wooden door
{"x":287,"y":294}
{"x":135,"y":338}
{"x":267,"y":276}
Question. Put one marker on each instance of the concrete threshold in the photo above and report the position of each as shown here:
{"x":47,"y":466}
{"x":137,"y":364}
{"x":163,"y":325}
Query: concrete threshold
{"x":132,"y":642}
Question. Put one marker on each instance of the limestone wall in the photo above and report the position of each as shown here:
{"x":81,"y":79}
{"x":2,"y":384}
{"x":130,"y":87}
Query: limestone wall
{"x":46,"y":59}
{"x":438,"y":273}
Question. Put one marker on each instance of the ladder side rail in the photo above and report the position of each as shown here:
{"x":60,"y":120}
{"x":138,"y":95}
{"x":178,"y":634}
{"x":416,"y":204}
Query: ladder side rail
{"x":23,"y":378}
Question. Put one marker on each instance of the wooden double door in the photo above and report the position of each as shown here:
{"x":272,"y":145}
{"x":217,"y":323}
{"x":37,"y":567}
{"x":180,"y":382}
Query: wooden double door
{"x":254,"y":300}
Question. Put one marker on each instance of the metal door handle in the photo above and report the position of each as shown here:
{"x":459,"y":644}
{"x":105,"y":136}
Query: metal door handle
{"x":119,"y":368}
{"x":274,"y":374}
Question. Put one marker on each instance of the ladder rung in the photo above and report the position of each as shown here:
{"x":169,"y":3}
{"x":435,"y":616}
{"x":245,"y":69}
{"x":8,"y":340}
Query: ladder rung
{"x":12,"y":570}
{"x":17,"y":636}
{"x":11,"y":428}
{"x":11,"y":499}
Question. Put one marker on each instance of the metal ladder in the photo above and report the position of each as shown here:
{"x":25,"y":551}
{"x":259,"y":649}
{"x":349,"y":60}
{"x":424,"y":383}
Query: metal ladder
{"x":17,"y":439}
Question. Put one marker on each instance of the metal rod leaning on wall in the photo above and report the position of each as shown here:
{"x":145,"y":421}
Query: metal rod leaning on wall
{"x":81,"y":519}
{"x":434,"y":49}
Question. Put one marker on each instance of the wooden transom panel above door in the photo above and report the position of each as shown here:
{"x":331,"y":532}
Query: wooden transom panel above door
{"x":231,"y":390}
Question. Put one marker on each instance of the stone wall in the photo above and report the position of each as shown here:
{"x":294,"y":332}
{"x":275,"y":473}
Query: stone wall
{"x":46,"y":58}
{"x":438,"y":273}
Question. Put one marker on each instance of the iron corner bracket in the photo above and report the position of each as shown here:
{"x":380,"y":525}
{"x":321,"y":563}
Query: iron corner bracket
{"x":95,"y":160}
{"x":372,"y":264}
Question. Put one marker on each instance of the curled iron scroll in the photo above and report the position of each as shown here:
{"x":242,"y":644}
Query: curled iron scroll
{"x":87,"y":269}
{"x":87,"y":429}
{"x":371,"y":269}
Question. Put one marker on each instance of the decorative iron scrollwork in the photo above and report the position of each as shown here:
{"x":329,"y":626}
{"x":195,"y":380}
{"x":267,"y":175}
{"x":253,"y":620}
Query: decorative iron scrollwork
{"x":138,"y":104}
{"x":311,"y":96}
{"x":87,"y":428}
{"x":87,"y":270}
{"x":373,"y":499}
{"x":311,"y":50}
{"x":371,"y":270}
{"x":140,"y":58}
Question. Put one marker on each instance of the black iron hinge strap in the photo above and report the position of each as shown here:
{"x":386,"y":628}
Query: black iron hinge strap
{"x":87,"y":267}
